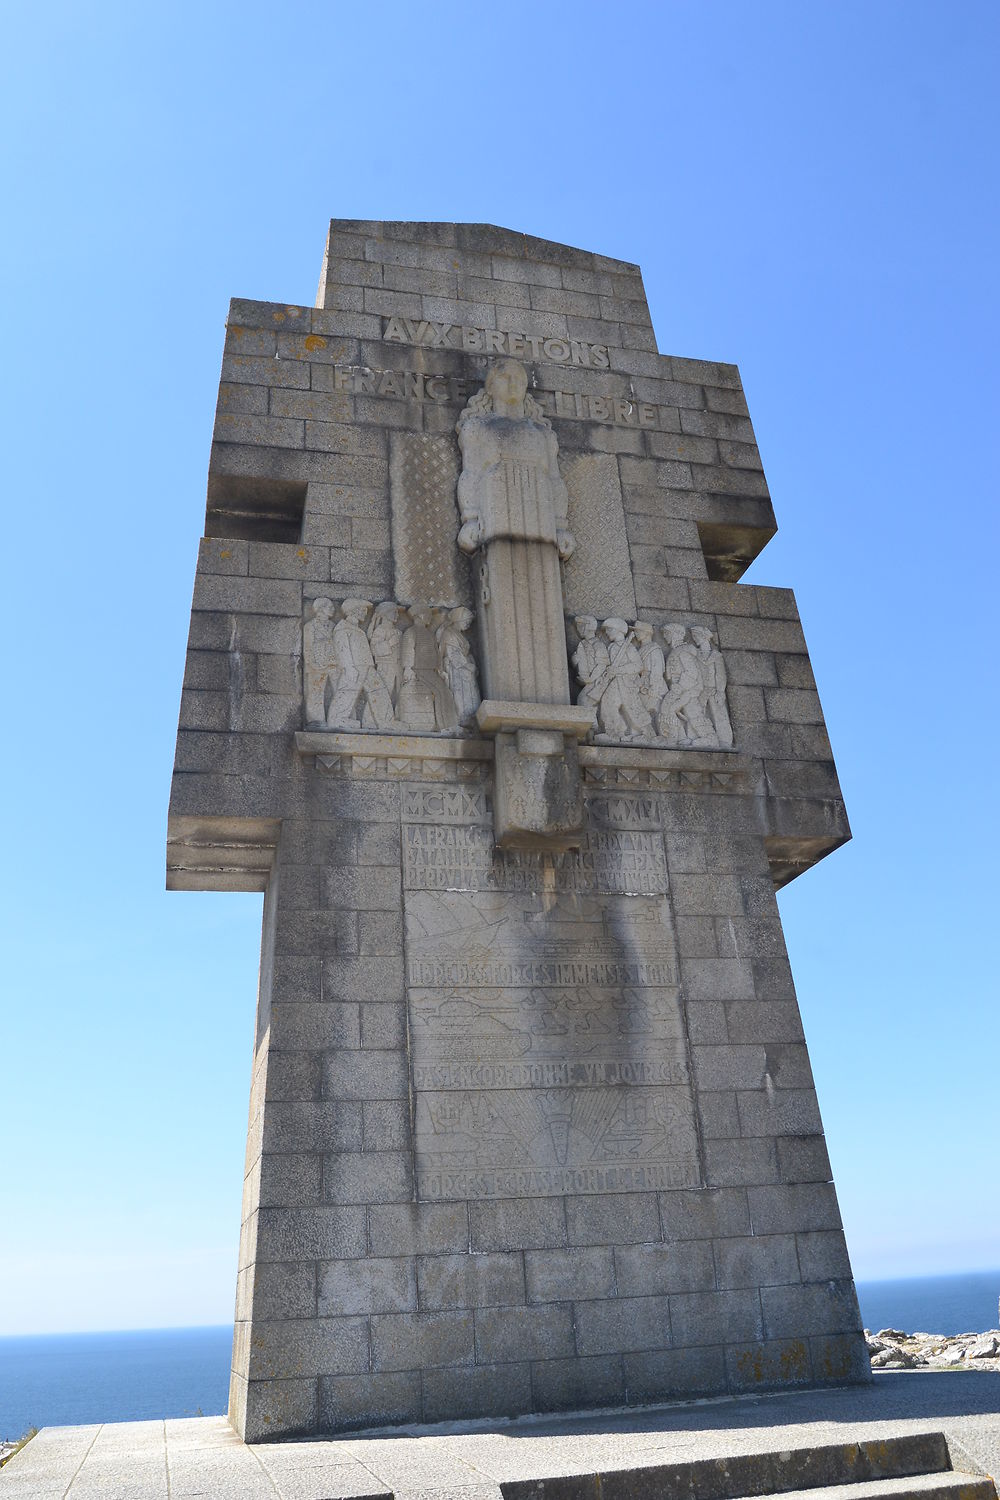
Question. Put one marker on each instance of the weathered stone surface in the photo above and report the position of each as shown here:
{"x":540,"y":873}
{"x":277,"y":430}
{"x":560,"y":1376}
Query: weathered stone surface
{"x":597,"y":578}
{"x":429,"y":569}
{"x":532,"y":1123}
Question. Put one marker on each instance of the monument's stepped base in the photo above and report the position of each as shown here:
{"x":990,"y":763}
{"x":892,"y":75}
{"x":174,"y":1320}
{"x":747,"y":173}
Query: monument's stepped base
{"x":907,"y":1437}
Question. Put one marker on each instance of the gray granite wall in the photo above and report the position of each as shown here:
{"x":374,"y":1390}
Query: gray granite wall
{"x":682,"y":1234}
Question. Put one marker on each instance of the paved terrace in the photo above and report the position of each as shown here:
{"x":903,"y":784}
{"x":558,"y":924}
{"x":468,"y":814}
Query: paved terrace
{"x":167,"y":1460}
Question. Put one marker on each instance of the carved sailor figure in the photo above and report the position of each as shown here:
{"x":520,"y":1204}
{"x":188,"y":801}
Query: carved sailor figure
{"x":319,"y":660}
{"x":385,"y":638}
{"x":457,"y":663}
{"x":621,"y":712}
{"x":682,"y":718}
{"x":713,"y":676}
{"x":652,"y":682}
{"x":425,"y":701}
{"x":360,"y":697}
{"x":590,"y":660}
{"x":512,"y":502}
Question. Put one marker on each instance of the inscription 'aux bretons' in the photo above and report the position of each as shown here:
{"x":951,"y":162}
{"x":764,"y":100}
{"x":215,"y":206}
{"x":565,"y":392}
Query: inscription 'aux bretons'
{"x":452,"y":390}
{"x":495,"y":341}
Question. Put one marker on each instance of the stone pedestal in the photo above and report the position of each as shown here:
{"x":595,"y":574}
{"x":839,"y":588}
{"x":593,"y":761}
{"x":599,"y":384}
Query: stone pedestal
{"x":532,"y":1122}
{"x":538,"y":794}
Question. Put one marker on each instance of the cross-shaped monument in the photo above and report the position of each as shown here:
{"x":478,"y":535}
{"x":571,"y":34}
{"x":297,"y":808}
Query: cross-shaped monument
{"x":476,"y":698}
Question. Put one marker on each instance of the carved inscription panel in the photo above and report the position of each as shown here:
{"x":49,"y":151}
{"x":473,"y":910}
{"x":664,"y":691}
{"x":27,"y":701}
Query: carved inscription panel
{"x":547,"y":1040}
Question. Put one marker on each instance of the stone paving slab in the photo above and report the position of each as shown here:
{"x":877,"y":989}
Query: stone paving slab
{"x":181,"y":1459}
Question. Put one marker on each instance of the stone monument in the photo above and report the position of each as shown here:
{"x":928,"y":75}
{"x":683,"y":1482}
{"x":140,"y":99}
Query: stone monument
{"x":475,"y":697}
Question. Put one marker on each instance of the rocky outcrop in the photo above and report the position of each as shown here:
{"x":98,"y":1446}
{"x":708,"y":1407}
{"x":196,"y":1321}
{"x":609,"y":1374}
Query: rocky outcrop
{"x":892,"y":1349}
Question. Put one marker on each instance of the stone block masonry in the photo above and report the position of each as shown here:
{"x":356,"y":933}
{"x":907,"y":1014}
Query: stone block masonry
{"x":532,"y":1124}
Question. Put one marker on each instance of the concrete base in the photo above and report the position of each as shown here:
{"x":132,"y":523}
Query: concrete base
{"x":489,"y":1460}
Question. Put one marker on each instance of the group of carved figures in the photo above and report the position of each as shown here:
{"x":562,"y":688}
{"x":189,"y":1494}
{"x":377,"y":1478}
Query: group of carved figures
{"x":388,"y":668}
{"x":662,"y":686}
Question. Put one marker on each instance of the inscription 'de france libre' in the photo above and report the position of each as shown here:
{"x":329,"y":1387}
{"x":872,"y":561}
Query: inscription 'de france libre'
{"x":546,"y":1035}
{"x":455,"y":390}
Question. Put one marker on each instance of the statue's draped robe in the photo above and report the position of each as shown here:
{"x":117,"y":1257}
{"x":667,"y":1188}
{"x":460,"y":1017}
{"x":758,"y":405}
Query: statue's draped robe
{"x":511,"y":480}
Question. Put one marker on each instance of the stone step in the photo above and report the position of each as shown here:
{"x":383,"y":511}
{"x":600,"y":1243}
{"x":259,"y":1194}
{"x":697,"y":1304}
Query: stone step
{"x":950,"y":1485}
{"x":821,"y":1466}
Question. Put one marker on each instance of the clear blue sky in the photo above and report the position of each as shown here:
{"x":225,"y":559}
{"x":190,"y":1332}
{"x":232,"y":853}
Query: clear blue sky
{"x":811,"y":192}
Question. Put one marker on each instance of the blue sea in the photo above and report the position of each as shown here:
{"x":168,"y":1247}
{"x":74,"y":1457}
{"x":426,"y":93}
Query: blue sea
{"x":63,"y":1379}
{"x":932,"y":1304}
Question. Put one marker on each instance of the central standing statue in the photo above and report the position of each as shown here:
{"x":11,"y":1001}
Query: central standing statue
{"x":513,"y":501}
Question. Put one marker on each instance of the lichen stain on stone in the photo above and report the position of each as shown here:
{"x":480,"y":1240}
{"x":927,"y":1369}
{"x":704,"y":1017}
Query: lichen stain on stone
{"x":750,"y":1364}
{"x":794,"y":1360}
{"x":225,"y":553}
{"x":836,"y":1367}
{"x":278,"y":316}
{"x":314,"y":341}
{"x":236,"y":330}
{"x":300,"y":553}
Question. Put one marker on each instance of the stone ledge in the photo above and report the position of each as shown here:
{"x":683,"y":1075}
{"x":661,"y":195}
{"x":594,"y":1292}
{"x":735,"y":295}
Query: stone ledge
{"x":494,"y":716}
{"x":327,"y":742}
{"x":341,"y":742}
{"x":389,"y":756}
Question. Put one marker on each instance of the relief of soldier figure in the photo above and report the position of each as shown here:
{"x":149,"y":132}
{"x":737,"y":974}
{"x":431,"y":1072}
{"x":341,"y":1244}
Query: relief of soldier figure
{"x":387,"y":668}
{"x":653,"y":685}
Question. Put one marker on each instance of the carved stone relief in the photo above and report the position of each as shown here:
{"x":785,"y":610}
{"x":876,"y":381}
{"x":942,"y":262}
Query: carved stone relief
{"x":610,"y":862}
{"x":423,"y":473}
{"x":598,"y":577}
{"x":546,"y":1033}
{"x":388,"y":669}
{"x":653,"y":686}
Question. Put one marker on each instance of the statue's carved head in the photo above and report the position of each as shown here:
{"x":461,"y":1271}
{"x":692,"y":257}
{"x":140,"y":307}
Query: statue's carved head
{"x":507,"y":385}
{"x":586,"y":627}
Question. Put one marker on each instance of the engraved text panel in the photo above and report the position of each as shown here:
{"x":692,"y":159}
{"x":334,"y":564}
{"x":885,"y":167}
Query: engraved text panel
{"x":547,"y":1039}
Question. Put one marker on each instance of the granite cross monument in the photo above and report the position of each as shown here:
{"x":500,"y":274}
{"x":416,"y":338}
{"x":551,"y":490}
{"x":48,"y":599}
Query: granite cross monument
{"x":475,"y":697}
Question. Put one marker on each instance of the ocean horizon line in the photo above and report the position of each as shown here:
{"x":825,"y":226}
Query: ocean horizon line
{"x":63,"y":1333}
{"x":84,"y":1333}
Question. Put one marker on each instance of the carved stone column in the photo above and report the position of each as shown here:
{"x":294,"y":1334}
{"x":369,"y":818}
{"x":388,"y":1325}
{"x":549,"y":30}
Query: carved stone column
{"x":513,"y":502}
